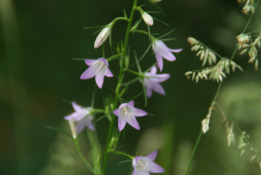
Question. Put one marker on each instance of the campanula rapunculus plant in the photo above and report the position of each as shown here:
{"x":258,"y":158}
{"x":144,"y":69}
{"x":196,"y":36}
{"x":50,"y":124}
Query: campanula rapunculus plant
{"x":115,"y":110}
{"x":152,"y":81}
{"x":162,"y":51}
{"x":145,"y":165}
{"x":127,"y":113}
{"x":98,"y":68}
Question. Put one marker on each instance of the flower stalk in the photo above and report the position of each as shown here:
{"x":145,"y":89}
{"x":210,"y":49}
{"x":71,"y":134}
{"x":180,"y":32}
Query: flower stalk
{"x":118,"y":87}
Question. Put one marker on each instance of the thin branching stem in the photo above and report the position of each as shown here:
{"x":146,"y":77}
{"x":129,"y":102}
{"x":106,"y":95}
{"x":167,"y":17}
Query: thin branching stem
{"x":217,"y":94}
{"x":193,"y":152}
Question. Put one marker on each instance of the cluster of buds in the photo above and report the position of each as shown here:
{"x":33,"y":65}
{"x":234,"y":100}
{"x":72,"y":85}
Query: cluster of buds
{"x":249,"y":6}
{"x":215,"y":73}
{"x":204,"y":53}
{"x":245,"y":45}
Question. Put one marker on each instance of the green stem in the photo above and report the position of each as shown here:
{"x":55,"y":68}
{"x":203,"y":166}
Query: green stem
{"x":76,"y":143}
{"x":118,"y":87}
{"x":193,"y":152}
{"x":124,"y":154}
{"x":135,"y":73}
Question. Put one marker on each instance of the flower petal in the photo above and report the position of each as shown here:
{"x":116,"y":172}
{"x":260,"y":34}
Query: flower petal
{"x":155,"y":168}
{"x":161,"y":77}
{"x":76,"y":107}
{"x":121,"y":124}
{"x":139,"y":112}
{"x":80,"y":126}
{"x":89,"y":62}
{"x":153,"y":70}
{"x":149,"y":92}
{"x":141,"y":172}
{"x":152,"y":156}
{"x":131,"y":103}
{"x":116,"y":112}
{"x":133,"y":122}
{"x":158,"y":88}
{"x":134,"y":172}
{"x":108,"y":73}
{"x":89,"y":123}
{"x":88,"y":73}
{"x":168,"y":55}
{"x":159,"y":61}
{"x":99,"y":80}
{"x":176,"y":50}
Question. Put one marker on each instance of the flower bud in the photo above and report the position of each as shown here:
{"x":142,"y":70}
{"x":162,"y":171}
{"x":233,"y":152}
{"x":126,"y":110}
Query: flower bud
{"x":147,"y":19}
{"x":72,"y":127}
{"x":155,"y":1}
{"x":103,"y":35}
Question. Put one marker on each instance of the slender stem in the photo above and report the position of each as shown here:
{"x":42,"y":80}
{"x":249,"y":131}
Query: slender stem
{"x":135,"y":73}
{"x":217,"y":92}
{"x":124,"y":154}
{"x":118,"y":87}
{"x":76,"y":143}
{"x":193,"y":152}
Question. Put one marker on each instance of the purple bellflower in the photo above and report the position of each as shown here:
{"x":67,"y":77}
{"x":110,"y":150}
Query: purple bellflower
{"x":162,"y":51}
{"x":98,"y":68}
{"x":152,"y":81}
{"x":126,"y":114}
{"x":145,"y":165}
{"x":82,"y":116}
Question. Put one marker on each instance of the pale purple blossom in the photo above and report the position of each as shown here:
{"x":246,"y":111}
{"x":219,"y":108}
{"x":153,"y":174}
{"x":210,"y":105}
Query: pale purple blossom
{"x":145,"y":165}
{"x":162,"y":51}
{"x":127,"y":113}
{"x":152,"y":81}
{"x":82,"y":116}
{"x":98,"y":68}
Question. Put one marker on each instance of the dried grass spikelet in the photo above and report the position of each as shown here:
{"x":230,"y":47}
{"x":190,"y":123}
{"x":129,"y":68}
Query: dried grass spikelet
{"x":205,"y":54}
{"x":216,"y":73}
{"x":205,"y":121}
{"x":230,"y":134}
{"x":250,"y":48}
{"x":248,"y":6}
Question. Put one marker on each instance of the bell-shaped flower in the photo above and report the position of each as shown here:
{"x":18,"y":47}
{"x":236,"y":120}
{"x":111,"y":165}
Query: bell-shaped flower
{"x":145,"y":165}
{"x":162,"y":51}
{"x":82,"y":116}
{"x":103,"y":35}
{"x":152,"y":81}
{"x":147,"y":18}
{"x":127,"y":113}
{"x":98,"y":68}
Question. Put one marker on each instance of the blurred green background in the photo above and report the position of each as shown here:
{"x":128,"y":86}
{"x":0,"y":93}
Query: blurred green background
{"x":38,"y":40}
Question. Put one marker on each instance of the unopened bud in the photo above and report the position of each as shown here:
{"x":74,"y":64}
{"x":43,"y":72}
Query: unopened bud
{"x":147,"y":19}
{"x":155,"y":1}
{"x":73,"y":129}
{"x":103,"y":35}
